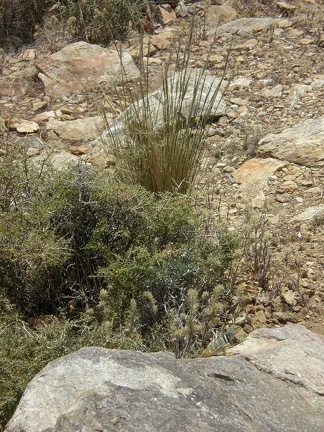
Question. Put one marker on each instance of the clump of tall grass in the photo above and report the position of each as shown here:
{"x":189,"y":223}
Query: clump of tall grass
{"x":159,"y":139}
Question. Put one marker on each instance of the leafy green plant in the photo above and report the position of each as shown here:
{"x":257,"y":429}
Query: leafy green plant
{"x":142,"y":269}
{"x":65,"y":236}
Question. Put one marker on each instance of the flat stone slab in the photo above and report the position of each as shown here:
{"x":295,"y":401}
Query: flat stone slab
{"x":82,"y":66}
{"x":310,"y":214}
{"x":301,"y":144}
{"x":84,"y":129}
{"x":248,"y":26}
{"x":253,"y":177}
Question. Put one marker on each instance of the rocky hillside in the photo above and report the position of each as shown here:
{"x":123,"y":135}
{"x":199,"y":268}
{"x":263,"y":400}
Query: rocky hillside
{"x":265,"y":154}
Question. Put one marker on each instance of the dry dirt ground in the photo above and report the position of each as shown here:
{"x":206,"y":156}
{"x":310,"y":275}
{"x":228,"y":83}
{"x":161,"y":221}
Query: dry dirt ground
{"x":294,"y":282}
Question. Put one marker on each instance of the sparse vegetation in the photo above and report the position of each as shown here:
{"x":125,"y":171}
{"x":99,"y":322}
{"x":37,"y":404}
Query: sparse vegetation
{"x":18,"y":19}
{"x":159,"y":142}
{"x":100,"y":21}
{"x":120,"y":267}
{"x":142,"y":258}
{"x":51,"y":21}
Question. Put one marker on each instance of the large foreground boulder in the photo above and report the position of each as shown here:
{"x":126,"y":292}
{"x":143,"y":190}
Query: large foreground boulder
{"x":274,"y":382}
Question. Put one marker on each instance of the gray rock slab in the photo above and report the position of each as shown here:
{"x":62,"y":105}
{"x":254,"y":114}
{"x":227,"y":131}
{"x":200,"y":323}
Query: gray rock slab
{"x":274,"y":382}
{"x":248,"y":26}
{"x":59,"y":161}
{"x":291,"y":353}
{"x":310,"y":214}
{"x":82,"y":66}
{"x":188,"y":94}
{"x":302,"y":144}
{"x":84,"y":129}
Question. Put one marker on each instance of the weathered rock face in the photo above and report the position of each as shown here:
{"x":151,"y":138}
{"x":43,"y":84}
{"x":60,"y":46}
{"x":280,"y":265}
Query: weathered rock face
{"x":202,"y":97}
{"x":222,"y":13}
{"x":301,"y":144}
{"x":253,"y":176}
{"x":77,"y":130}
{"x":11,"y":88}
{"x":82,"y":66}
{"x":310,"y":214}
{"x":59,"y":160}
{"x":246,"y":26}
{"x":274,"y":382}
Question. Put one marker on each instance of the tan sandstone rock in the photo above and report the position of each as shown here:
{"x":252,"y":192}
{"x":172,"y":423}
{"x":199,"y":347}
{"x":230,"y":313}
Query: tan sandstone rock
{"x":82,"y":66}
{"x":302,"y":144}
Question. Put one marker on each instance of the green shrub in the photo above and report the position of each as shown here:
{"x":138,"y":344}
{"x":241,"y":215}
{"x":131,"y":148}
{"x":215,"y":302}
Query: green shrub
{"x":66,"y":235}
{"x":18,"y":19}
{"x":144,"y":272}
{"x":30,"y":252}
{"x":100,"y":21}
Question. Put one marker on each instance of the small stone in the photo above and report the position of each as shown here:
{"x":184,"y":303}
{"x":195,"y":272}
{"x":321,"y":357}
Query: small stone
{"x":306,"y":41}
{"x":276,"y":303}
{"x":284,"y":198}
{"x":182,"y":10}
{"x":39,"y":105}
{"x":216,"y":58}
{"x":240,"y":82}
{"x":233,"y":114}
{"x":26,"y":126}
{"x":29,"y":54}
{"x":229,"y":169}
{"x":290,"y":297}
{"x":167,"y":14}
{"x":289,"y":177}
{"x":304,"y":283}
{"x":284,"y":317}
{"x":79,"y":150}
{"x":211,"y":132}
{"x":289,"y":186}
{"x":45,"y":116}
{"x":307,"y":183}
{"x":251,"y":43}
{"x":310,"y":291}
{"x":33,"y":152}
{"x":314,"y":191}
{"x":261,"y":317}
{"x":67,"y":111}
{"x":286,"y":8}
{"x":268,"y":312}
{"x":162,"y":41}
